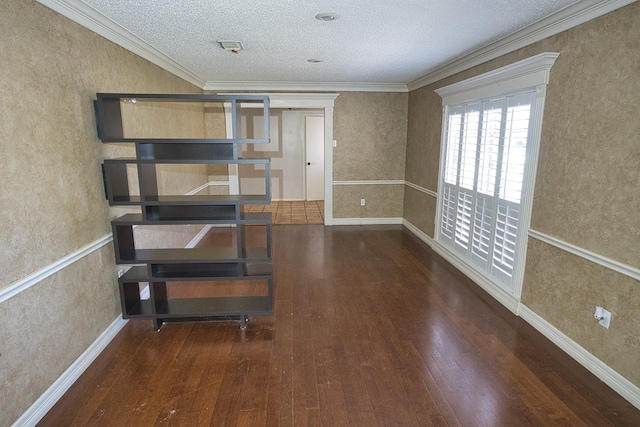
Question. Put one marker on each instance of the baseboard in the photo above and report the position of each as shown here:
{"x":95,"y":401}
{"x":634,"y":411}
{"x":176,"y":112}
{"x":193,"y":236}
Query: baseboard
{"x":499,"y":294}
{"x":597,"y":367}
{"x":366,"y":221}
{"x":198,"y":237}
{"x":45,"y":402}
{"x":418,"y":233}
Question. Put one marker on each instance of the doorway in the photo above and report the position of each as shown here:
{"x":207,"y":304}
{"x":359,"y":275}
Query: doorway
{"x":322,"y":103}
{"x":296,"y":151}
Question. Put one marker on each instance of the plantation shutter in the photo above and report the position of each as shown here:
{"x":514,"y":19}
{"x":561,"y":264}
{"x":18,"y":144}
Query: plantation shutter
{"x":485,"y":153}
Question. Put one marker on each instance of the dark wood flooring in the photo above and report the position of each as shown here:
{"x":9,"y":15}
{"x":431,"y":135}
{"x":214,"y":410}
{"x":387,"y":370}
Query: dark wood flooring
{"x":371,"y":328}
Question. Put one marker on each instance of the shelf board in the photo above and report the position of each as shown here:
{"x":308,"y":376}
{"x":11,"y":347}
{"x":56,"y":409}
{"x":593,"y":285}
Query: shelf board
{"x":206,"y":199}
{"x":191,"y":255}
{"x":253,"y":272}
{"x":216,"y":306}
{"x":240,"y":161}
{"x":126,"y":200}
{"x":203,"y":307}
{"x":181,"y":200}
{"x":183,"y":97}
{"x":141,"y":310}
{"x":190,"y":141}
{"x":246,"y":218}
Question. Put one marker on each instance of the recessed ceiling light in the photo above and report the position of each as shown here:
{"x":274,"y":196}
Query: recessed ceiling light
{"x":314,"y":61}
{"x":327,"y":17}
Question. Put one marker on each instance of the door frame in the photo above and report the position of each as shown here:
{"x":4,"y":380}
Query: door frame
{"x":323,"y":101}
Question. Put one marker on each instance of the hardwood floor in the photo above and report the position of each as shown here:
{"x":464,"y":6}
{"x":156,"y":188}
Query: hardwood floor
{"x":371,"y":328}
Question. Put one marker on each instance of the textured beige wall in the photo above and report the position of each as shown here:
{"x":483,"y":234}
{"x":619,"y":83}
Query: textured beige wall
{"x":51,"y":194}
{"x":423,"y":157}
{"x":587,"y":188}
{"x":153,"y":119}
{"x":48,"y":326}
{"x":381,"y":201}
{"x":564,"y":289}
{"x":371,"y":130}
{"x":419,"y":209}
{"x":423,"y":138}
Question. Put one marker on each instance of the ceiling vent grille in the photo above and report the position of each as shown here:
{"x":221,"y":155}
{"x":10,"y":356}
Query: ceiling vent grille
{"x":231,"y":46}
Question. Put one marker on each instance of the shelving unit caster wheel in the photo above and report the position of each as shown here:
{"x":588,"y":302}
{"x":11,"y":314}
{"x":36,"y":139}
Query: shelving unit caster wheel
{"x":243,"y":322}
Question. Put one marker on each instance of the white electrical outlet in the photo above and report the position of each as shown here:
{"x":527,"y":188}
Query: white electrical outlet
{"x":362,"y":202}
{"x":603,"y":316}
{"x":120,"y":272}
{"x":335,"y":143}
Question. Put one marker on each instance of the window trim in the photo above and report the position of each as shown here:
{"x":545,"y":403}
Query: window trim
{"x":531,"y":74}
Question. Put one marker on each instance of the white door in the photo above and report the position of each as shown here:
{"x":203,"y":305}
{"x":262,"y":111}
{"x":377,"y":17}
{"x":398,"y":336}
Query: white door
{"x":315,"y":157}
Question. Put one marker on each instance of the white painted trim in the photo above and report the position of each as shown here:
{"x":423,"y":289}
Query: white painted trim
{"x":609,"y":263}
{"x":290,"y":100}
{"x":198,"y":237}
{"x":16,"y":287}
{"x":302,"y":100}
{"x":496,"y":291}
{"x":371,"y":182}
{"x":88,"y":17}
{"x":328,"y":165}
{"x":569,"y":17}
{"x":367,"y":221}
{"x":305,"y":86}
{"x":45,"y":402}
{"x":198,"y":189}
{"x":528,"y":73}
{"x":207,"y":185}
{"x":145,"y":293}
{"x":418,"y":233}
{"x":422,"y":189}
{"x":613,"y":379}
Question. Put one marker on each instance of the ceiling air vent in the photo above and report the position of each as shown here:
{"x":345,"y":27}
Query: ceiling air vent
{"x":234,"y":47}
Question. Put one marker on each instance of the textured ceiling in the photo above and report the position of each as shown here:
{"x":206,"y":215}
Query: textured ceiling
{"x":373,"y":41}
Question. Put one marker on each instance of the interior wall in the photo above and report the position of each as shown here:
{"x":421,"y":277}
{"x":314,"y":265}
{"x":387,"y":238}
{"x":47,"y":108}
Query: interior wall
{"x":586,"y":191}
{"x":52,"y":195}
{"x":371,"y":133}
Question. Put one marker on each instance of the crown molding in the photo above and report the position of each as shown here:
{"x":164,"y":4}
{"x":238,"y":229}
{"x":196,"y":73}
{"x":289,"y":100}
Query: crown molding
{"x":293,"y":100}
{"x":306,"y":86}
{"x":569,"y":17}
{"x":527,"y":73}
{"x":88,"y":17}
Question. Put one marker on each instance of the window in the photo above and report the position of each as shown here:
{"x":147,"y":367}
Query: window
{"x":489,"y":152}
